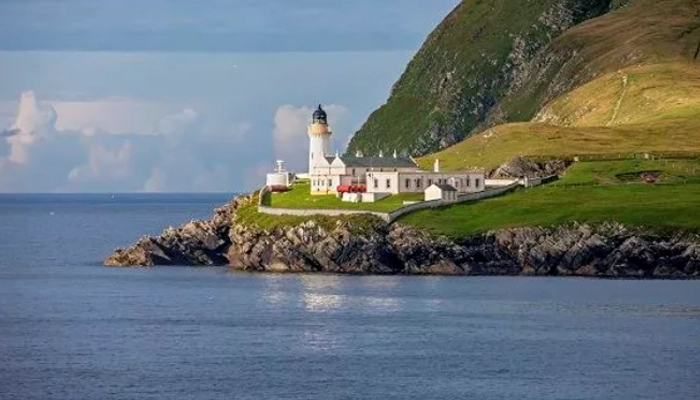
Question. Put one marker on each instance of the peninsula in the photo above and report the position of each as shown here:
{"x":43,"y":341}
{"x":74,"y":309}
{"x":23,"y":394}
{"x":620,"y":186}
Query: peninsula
{"x":557,"y":137}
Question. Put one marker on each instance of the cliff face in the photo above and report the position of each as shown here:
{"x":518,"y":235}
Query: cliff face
{"x":609,"y":250}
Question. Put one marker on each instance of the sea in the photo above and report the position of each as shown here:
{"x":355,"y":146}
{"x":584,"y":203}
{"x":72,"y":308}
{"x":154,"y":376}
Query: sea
{"x":71,"y":328}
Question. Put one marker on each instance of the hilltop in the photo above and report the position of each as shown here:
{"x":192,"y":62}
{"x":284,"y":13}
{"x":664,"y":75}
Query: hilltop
{"x":490,"y":63}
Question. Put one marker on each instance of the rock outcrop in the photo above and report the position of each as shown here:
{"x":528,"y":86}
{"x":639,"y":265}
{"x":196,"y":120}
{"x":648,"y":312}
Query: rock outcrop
{"x":606,"y":250}
{"x":520,"y":167}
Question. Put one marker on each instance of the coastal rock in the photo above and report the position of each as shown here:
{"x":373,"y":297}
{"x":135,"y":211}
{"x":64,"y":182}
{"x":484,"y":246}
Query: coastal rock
{"x":358,"y":247}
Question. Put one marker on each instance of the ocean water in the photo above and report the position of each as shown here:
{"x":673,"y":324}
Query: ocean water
{"x":72,"y":329}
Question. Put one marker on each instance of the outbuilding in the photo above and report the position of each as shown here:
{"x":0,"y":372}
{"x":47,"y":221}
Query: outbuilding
{"x":441,"y":192}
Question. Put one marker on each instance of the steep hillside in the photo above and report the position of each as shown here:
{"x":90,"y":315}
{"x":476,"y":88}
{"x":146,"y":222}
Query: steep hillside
{"x":494,"y":62}
{"x":653,"y":108}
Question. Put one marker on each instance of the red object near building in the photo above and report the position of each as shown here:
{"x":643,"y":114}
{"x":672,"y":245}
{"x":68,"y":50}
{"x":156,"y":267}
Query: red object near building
{"x":351,"y":189}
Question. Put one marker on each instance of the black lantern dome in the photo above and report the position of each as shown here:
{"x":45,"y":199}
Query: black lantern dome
{"x":320,"y":116}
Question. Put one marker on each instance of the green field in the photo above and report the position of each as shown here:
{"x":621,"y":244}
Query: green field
{"x":248,"y":215}
{"x":300,"y":197}
{"x":630,"y":171}
{"x":589,"y":192}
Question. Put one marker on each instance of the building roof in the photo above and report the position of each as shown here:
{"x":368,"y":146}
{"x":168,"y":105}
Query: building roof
{"x":446,"y":188}
{"x":320,"y":116}
{"x":379,"y":162}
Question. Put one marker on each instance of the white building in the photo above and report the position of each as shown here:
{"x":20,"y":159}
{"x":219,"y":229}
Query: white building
{"x":378,"y":175}
{"x":441,"y":192}
{"x":280,"y":180}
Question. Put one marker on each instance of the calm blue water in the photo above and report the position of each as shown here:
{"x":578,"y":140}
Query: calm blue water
{"x":71,"y":329}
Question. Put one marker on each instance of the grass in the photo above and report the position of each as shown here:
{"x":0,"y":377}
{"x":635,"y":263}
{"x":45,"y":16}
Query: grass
{"x":592,"y":192}
{"x":300,"y":197}
{"x":248,"y":215}
{"x":470,"y":73}
{"x":497,"y":145}
{"x":657,"y":206}
{"x":629,"y":171}
{"x":460,"y":67}
{"x":634,"y":95}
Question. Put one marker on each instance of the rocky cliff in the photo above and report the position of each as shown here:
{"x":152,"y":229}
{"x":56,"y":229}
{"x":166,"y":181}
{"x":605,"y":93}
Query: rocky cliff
{"x":608,"y":250}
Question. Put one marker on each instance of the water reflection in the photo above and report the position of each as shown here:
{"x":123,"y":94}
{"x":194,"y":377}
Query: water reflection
{"x":275,"y":289}
{"x":320,"y":292}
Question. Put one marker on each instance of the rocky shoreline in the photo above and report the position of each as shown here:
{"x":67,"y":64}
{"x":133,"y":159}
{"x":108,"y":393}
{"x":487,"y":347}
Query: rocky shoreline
{"x":606,"y":250}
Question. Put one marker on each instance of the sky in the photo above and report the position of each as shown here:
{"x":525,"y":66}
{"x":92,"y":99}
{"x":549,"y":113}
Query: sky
{"x":183,"y":96}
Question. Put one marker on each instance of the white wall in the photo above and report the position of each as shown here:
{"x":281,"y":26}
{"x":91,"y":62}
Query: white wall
{"x":383,"y":182}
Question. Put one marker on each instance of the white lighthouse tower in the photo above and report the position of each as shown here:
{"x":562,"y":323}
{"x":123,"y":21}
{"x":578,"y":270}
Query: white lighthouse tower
{"x":319,"y":138}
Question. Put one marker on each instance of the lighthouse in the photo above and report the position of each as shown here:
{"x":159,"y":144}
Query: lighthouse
{"x":319,"y":138}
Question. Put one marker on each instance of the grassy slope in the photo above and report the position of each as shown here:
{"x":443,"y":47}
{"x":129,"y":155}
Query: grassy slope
{"x":658,"y":110}
{"x":458,"y":81}
{"x":465,"y":66}
{"x":658,"y":206}
{"x":644,"y":32}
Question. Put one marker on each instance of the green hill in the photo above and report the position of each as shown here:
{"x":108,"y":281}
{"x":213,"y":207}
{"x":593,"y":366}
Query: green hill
{"x":619,"y":82}
{"x":493,"y":62}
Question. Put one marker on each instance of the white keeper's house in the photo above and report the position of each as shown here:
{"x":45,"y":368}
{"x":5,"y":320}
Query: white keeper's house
{"x":373,"y":177}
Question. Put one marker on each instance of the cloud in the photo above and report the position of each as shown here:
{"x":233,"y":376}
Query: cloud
{"x":178,"y":123}
{"x":104,"y":165}
{"x":31,"y":124}
{"x":290,"y":137}
{"x":118,"y":116}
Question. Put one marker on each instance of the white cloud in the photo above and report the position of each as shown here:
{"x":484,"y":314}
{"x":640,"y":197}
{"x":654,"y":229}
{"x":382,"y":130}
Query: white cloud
{"x":118,"y":116}
{"x":290,"y":137}
{"x":104,"y":164}
{"x":178,"y":123}
{"x":32,"y":123}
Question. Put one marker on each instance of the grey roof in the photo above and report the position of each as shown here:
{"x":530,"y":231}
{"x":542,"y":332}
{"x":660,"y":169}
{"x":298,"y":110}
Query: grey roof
{"x":379,"y":162}
{"x":446,"y":188}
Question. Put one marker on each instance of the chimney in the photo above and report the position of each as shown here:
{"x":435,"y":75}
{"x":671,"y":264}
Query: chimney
{"x":381,"y":153}
{"x":359,"y":154}
{"x":436,"y":166}
{"x":395,"y":154}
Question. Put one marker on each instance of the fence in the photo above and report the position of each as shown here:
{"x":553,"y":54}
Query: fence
{"x":394,"y":215}
{"x":688,"y":155}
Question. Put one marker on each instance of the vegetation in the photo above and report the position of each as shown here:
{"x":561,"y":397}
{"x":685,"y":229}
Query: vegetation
{"x":580,"y":197}
{"x":631,"y":171}
{"x":300,"y":197}
{"x":248,"y":215}
{"x":465,"y":66}
{"x":488,"y":150}
{"x":493,"y":62}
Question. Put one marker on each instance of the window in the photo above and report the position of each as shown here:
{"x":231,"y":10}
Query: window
{"x":476,"y":182}
{"x":430,"y":182}
{"x":469,"y":181}
{"x":330,"y":182}
{"x":376,"y":183}
{"x":353,"y":172}
{"x":408,"y":183}
{"x":419,"y":182}
{"x":388,"y":183}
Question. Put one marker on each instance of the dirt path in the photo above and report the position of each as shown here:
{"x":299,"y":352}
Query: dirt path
{"x":616,"y":110}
